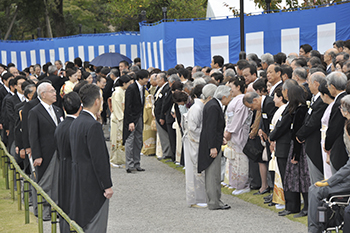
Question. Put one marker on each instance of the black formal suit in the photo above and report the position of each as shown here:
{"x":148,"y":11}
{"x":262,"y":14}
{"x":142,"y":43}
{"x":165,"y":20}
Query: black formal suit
{"x":57,"y":83}
{"x":107,"y":92}
{"x":42,"y":76}
{"x":133,"y":108}
{"x":169,"y":120}
{"x":267,"y":111}
{"x":273,"y":93}
{"x":41,"y":135}
{"x":4,"y":119}
{"x":212,"y":133}
{"x":3,"y":93}
{"x":311,"y":134}
{"x":91,"y":173}
{"x":18,"y":135}
{"x":65,"y":168}
{"x":25,"y":129}
{"x":11,"y":116}
{"x":158,"y":104}
{"x":334,"y":136}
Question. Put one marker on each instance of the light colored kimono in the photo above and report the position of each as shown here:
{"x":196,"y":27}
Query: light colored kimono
{"x":238,"y":119}
{"x":324,"y":121}
{"x":192,"y":126}
{"x":117,"y":149}
{"x":149,"y":136}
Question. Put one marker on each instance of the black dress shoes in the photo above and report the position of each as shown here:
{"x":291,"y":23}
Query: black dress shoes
{"x":284,"y":213}
{"x":268,"y":200}
{"x":302,"y":213}
{"x":267,"y":190}
{"x":224,"y":207}
{"x":268,"y":197}
{"x":140,"y":169}
{"x":271,"y":204}
{"x":128,"y":170}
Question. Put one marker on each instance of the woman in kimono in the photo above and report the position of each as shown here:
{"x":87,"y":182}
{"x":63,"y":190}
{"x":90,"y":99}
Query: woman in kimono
{"x":117,"y":114}
{"x":192,"y":125}
{"x":69,"y":84}
{"x":236,"y":133}
{"x":328,"y":99}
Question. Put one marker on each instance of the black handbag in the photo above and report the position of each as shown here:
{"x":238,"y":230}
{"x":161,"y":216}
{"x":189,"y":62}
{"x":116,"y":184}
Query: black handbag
{"x":253,"y":149}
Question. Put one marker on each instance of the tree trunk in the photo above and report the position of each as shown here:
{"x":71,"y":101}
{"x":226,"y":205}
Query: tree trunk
{"x":11,"y":24}
{"x":48,"y":25}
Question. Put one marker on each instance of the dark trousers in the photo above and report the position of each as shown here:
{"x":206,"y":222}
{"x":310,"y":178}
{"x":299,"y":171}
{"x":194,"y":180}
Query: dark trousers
{"x":172,"y":140}
{"x":254,"y":174}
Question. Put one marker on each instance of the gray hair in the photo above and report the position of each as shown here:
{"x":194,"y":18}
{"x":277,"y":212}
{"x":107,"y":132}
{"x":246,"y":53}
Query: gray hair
{"x":173,"y":78}
{"x":198,"y":74}
{"x":59,"y":61}
{"x":288,"y":83}
{"x":267,"y":58}
{"x":249,"y":97}
{"x":222,"y":91}
{"x":115,"y":72}
{"x":318,"y":77}
{"x":337,"y":79}
{"x":208,"y":91}
{"x":189,"y":85}
{"x":345,"y":102}
{"x":52,"y":69}
{"x":230,"y":73}
{"x":199,"y":81}
{"x":198,"y":68}
{"x":42,"y":88}
{"x":300,"y":72}
{"x":134,"y":68}
{"x":28,"y":90}
{"x":290,"y":58}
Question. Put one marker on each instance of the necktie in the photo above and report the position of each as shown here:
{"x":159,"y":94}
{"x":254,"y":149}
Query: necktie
{"x":53,"y":115}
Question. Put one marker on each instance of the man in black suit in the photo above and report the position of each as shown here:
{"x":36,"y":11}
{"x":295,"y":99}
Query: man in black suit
{"x":267,"y":107}
{"x":334,"y":143}
{"x":44,"y":119}
{"x":211,"y":139}
{"x":163,"y":87}
{"x":72,"y":106}
{"x":4,"y":116}
{"x":274,"y":76}
{"x":310,"y":132}
{"x":166,"y":117}
{"x":4,"y":92}
{"x":133,"y":121}
{"x":10,"y":111}
{"x":57,"y":83}
{"x":91,"y":174}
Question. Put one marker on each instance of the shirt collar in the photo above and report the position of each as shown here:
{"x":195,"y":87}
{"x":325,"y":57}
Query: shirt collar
{"x":316,"y":96}
{"x":46,"y":106}
{"x":221,"y":106}
{"x":335,"y":99}
{"x":274,"y":86}
{"x":72,"y":116}
{"x":262,"y":101}
{"x":21,"y":96}
{"x":90,"y":113}
{"x":139,"y":85}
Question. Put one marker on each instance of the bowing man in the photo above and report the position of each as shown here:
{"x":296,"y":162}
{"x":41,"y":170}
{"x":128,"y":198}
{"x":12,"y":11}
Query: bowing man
{"x":72,"y":106}
{"x":44,"y":119}
{"x":91,"y":174}
{"x":133,"y":121}
{"x":211,"y":140}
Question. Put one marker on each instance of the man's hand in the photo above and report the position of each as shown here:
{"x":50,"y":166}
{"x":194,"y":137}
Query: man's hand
{"x":322,"y":183}
{"x":131,"y":127}
{"x":299,"y":140}
{"x":213,"y":153}
{"x":108,"y":193}
{"x":28,"y":151}
{"x":7,"y":132}
{"x":293,"y":161}
{"x":272,"y":146}
{"x":1,"y":126}
{"x":328,"y":159}
{"x":22,"y":154}
{"x":227,"y":136}
{"x":17,"y":150}
{"x":262,"y":135}
{"x":37,"y":162}
{"x":162,"y":122}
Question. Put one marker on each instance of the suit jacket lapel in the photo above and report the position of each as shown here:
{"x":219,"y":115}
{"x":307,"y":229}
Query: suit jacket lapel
{"x":43,"y":111}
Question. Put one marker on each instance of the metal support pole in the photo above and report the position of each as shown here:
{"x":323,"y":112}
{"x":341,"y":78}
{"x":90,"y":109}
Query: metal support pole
{"x":53,"y":220}
{"x":40,"y":213}
{"x":19,"y":198}
{"x":39,"y":32}
{"x":6,"y":168}
{"x":164,"y":9}
{"x":80,"y":28}
{"x":241,"y":19}
{"x":12,"y":182}
{"x":26,"y":201}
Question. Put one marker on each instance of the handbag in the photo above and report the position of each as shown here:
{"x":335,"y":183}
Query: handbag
{"x":253,"y":149}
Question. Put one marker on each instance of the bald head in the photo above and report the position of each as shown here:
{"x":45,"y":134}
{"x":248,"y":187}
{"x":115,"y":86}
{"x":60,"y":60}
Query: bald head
{"x":329,"y":55}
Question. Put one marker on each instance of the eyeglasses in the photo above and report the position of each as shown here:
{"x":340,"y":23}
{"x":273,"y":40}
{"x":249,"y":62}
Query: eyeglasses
{"x":51,"y":91}
{"x":342,"y":108}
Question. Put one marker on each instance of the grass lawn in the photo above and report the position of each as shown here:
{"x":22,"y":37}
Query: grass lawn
{"x":248,"y":197}
{"x":12,"y":220}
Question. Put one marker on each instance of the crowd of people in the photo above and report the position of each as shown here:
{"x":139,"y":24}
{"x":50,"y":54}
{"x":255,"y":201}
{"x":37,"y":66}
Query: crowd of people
{"x":278,"y":123}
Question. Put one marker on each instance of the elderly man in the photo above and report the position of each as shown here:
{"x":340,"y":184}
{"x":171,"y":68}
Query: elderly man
{"x":44,"y":119}
{"x":300,"y":75}
{"x":329,"y":55}
{"x":266,"y":60}
{"x":310,"y":131}
{"x":250,"y":75}
{"x":211,"y":139}
{"x":13,"y":70}
{"x":274,"y":76}
{"x":334,"y":143}
{"x":57,"y":83}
